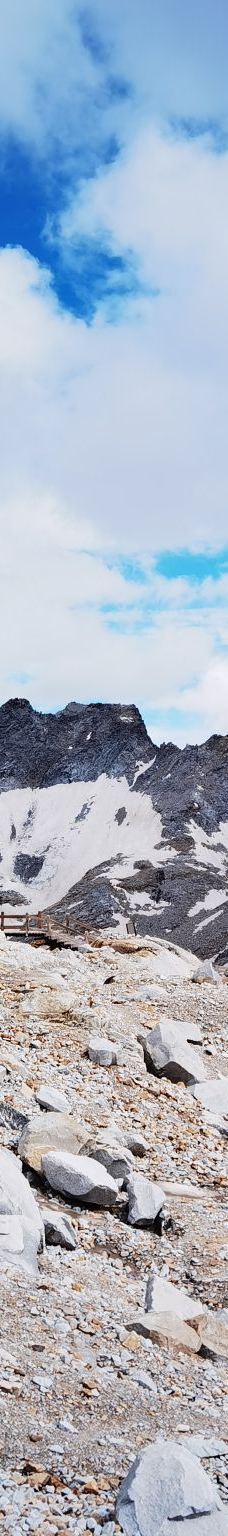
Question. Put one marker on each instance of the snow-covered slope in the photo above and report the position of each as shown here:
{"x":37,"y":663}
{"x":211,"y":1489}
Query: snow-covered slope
{"x":102,"y":825}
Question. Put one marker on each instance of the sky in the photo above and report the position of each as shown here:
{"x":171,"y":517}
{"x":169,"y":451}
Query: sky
{"x":113,"y":358}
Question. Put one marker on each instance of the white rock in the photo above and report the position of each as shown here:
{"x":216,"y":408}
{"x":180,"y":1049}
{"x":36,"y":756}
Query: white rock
{"x":102,"y":1052}
{"x":21,"y":1225}
{"x":145,"y":1200}
{"x":50,"y":1098}
{"x":166,"y":1484}
{"x":162,"y":1296}
{"x":81,"y":1177}
{"x":188,"y":1030}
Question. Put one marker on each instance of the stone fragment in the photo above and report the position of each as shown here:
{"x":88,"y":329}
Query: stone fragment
{"x":162,"y":1296}
{"x":168,"y":1055}
{"x":58,"y":1229}
{"x":80,"y":1177}
{"x":213,"y":1095}
{"x":50,"y":1098}
{"x":167,"y":1328}
{"x":50,"y":1132}
{"x":166,"y":1484}
{"x":213,"y":1336}
{"x":146,"y":1200}
{"x":102,"y":1052}
{"x":21,"y":1225}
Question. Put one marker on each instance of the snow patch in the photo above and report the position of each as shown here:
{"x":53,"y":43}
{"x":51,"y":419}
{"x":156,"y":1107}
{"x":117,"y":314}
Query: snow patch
{"x":72,"y":845}
{"x":214,"y":898}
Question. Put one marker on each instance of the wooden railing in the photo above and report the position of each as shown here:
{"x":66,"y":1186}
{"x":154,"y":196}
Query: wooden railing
{"x":33,"y":926}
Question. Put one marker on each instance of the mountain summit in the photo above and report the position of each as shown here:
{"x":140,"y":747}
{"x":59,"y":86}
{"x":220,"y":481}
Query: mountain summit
{"x":102,"y":825}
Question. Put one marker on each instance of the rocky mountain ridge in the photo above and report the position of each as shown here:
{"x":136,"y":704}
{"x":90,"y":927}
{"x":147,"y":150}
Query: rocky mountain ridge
{"x":104,"y":827}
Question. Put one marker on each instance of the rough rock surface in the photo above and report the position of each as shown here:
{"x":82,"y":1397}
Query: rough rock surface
{"x":167,"y":873}
{"x":168,"y":1328}
{"x":145,"y":1200}
{"x":165,"y":1483}
{"x":80,"y":1177}
{"x":162,"y":1296}
{"x":169,"y":1055}
{"x":50,"y":1131}
{"x":58,"y":1229}
{"x":21,"y":1225}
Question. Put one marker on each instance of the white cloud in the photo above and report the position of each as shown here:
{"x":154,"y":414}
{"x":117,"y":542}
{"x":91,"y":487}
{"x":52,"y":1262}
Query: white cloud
{"x":70,"y":456}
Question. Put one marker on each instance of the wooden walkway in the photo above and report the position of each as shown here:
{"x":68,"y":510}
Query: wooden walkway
{"x":37,"y":928}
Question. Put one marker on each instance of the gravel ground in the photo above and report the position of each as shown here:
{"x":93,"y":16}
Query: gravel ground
{"x":80,"y":1390}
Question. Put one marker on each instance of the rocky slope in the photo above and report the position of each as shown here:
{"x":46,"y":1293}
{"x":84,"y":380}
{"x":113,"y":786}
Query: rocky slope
{"x":114,"y":1335}
{"x":101,"y":825}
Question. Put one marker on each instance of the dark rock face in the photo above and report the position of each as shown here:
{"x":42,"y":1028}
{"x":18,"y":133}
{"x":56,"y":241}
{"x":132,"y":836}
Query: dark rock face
{"x":188,"y":788}
{"x":78,"y":743}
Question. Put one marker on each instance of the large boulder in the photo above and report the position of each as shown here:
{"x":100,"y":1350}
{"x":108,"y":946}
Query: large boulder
{"x":49,"y":1132}
{"x":166,"y":1484}
{"x":168,"y":1055}
{"x":21,"y":1224}
{"x":215,"y":1524}
{"x":80,"y":1177}
{"x":162,"y":1296}
{"x":145,"y":1200}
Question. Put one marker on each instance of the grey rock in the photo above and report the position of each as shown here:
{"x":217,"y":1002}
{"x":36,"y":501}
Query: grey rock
{"x":58,"y":1229}
{"x":146,"y":1200}
{"x":206,"y":972}
{"x":21,"y":1225}
{"x":80,"y":1177}
{"x":162,"y":1296}
{"x":107,"y":1150}
{"x":166,"y":1484}
{"x":102,"y":1052}
{"x":168,"y":1055}
{"x":50,"y":1098}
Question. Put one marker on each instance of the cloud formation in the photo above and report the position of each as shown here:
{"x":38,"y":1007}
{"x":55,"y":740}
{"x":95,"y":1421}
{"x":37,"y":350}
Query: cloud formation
{"x":113,"y":361}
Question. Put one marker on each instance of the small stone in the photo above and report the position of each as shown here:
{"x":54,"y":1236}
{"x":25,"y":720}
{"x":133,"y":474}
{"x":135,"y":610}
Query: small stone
{"x":145,"y":1198}
{"x":102,"y":1052}
{"x":50,"y":1098}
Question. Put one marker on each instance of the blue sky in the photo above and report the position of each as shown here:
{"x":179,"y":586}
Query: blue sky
{"x":113,"y":356}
